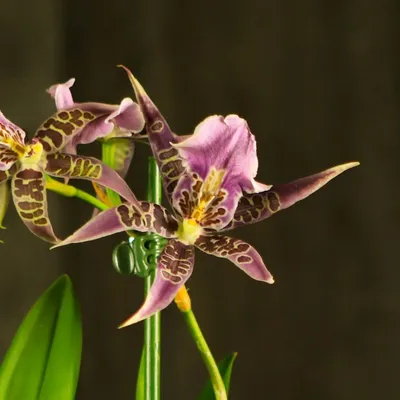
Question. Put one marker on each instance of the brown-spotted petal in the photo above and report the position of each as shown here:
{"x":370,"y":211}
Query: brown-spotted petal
{"x":258,"y":206}
{"x":29,"y":195}
{"x":10,"y":131}
{"x":160,"y":137}
{"x":6,"y":175}
{"x":59,"y":130}
{"x":175,"y":265}
{"x":237,"y":251}
{"x":142,"y":217}
{"x":222,"y":162}
{"x":11,"y":142}
{"x":81,"y":167}
{"x":8,"y":158}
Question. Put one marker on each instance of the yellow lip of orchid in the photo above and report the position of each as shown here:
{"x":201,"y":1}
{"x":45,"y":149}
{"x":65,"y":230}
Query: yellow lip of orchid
{"x":32,"y":153}
{"x":189,"y":231}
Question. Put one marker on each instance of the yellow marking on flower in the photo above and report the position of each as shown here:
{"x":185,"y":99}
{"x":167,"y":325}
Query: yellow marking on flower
{"x":189,"y":231}
{"x":13,"y":145}
{"x":33,"y":153}
{"x":209,"y":191}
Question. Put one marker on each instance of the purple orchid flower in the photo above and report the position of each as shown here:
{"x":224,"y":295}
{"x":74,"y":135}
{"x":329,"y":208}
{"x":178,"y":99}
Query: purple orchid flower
{"x":121,"y":120}
{"x":209,"y":180}
{"x":117,"y":126}
{"x":116,"y":121}
{"x":25,"y":163}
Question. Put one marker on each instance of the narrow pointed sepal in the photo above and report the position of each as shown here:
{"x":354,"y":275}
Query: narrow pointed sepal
{"x":141,"y":217}
{"x":29,"y":195}
{"x":175,"y":265}
{"x":81,"y":167}
{"x":160,"y":138}
{"x":237,"y":251}
{"x":259,"y":206}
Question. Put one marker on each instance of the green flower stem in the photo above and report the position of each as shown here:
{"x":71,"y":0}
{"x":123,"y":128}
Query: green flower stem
{"x":72,"y":191}
{"x":152,"y":325}
{"x":184,"y":304}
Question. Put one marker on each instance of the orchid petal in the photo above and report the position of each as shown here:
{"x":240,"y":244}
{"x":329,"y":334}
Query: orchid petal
{"x":175,"y":265}
{"x":62,"y":94}
{"x":142,"y":217}
{"x":6,"y":175}
{"x":119,"y":120}
{"x":82,"y":167}
{"x":256,"y":207}
{"x":160,"y":138}
{"x":224,"y":144}
{"x":10,"y":131}
{"x":4,"y":199}
{"x":29,"y":195}
{"x":11,"y":138}
{"x":59,"y":130}
{"x":7,"y":158}
{"x":128,"y":116}
{"x":222,"y":162}
{"x":237,"y":251}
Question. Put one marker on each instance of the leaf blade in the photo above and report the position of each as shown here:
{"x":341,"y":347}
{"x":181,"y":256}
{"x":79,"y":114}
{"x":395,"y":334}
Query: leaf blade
{"x":43,"y":360}
{"x":140,"y":392}
{"x":225,"y":368}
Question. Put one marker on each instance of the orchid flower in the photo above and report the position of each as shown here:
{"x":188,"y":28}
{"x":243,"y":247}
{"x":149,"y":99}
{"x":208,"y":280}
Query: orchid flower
{"x":209,"y":180}
{"x":25,"y":163}
{"x":117,"y":126}
{"x":116,"y":121}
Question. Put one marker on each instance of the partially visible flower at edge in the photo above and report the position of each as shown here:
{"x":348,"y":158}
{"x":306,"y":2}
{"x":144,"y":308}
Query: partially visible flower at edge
{"x":25,"y":163}
{"x":209,"y":180}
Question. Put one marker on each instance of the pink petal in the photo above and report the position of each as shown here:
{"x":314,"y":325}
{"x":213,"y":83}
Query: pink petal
{"x":62,"y":95}
{"x":175,"y":265}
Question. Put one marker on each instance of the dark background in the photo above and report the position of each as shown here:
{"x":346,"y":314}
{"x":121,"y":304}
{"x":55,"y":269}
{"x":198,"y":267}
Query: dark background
{"x":318,"y":82}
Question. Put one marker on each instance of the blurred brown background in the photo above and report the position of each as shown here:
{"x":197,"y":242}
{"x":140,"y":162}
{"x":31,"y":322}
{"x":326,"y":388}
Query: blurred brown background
{"x":318,"y":82}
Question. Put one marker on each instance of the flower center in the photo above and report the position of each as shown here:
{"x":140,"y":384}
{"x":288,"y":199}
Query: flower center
{"x":189,"y":231}
{"x":209,"y":190}
{"x":32,"y":153}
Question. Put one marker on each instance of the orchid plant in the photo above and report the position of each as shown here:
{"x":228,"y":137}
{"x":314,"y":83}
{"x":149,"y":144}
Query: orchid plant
{"x":208,"y":178}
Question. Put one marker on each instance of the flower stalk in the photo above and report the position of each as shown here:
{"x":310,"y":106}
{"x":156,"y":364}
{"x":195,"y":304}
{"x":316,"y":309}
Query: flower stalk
{"x":183,"y":302}
{"x":205,"y":352}
{"x":71,"y":191}
{"x":152,"y":325}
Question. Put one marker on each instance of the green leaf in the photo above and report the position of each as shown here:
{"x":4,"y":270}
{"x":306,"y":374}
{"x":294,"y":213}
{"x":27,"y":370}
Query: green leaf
{"x":225,"y":368}
{"x":140,"y":380}
{"x":44,"y":358}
